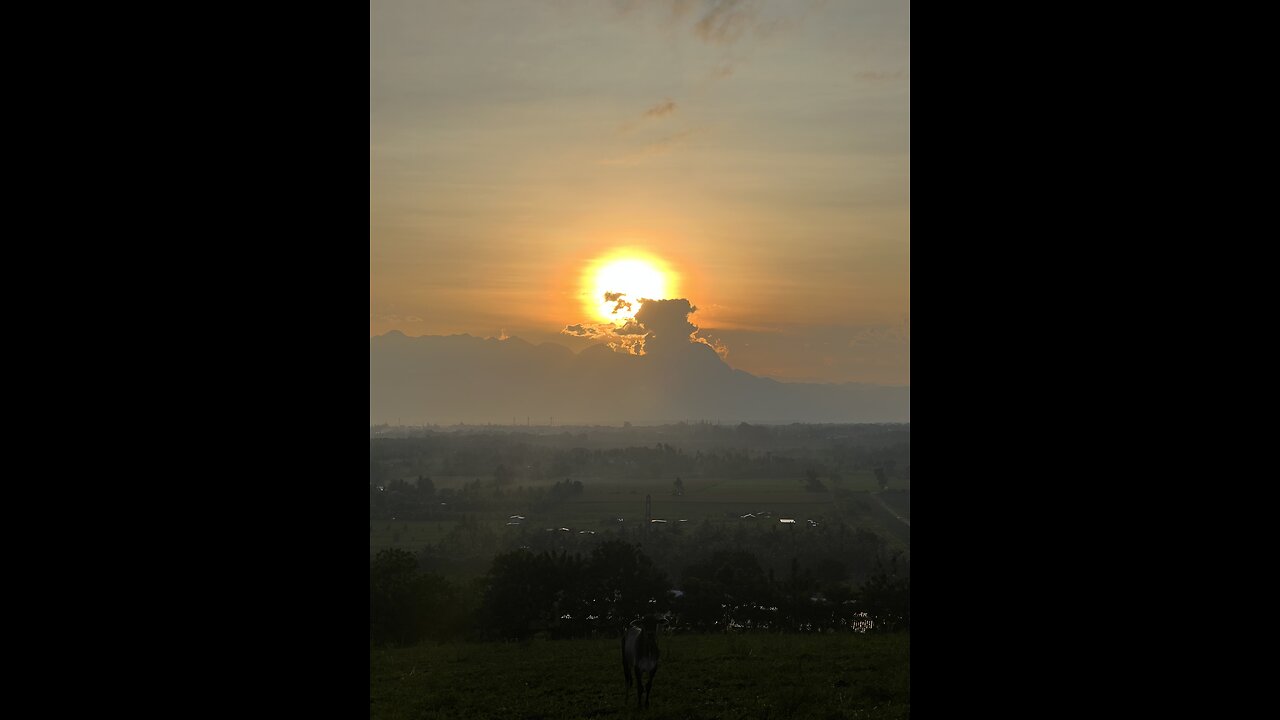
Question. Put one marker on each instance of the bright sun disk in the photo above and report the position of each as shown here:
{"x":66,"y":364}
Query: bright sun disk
{"x":634,"y":276}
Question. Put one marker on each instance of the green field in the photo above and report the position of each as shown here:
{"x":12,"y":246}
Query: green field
{"x":700,"y":676}
{"x":900,"y":502}
{"x":722,"y":501}
{"x":407,"y":535}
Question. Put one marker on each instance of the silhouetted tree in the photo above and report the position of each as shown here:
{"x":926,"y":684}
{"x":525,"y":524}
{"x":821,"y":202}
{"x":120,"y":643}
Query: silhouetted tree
{"x":794,"y":595}
{"x":887,"y":598}
{"x":729,"y":587}
{"x":405,"y":605}
{"x":426,"y":488}
{"x":501,"y":475}
{"x":519,"y":596}
{"x":377,"y":471}
{"x":625,"y":583}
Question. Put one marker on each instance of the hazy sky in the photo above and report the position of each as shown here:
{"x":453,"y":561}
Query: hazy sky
{"x":760,"y":149}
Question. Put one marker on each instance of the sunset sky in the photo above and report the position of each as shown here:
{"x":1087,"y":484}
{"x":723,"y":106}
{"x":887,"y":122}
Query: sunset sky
{"x":758,"y":151}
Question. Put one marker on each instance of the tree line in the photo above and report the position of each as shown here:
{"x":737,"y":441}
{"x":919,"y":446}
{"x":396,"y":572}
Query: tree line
{"x":559,"y":595}
{"x":420,"y":500}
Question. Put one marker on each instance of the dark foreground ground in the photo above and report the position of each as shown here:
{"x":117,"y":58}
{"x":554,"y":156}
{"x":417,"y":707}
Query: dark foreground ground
{"x":700,"y":676}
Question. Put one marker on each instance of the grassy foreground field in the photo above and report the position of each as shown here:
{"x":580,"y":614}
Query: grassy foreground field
{"x":700,"y":676}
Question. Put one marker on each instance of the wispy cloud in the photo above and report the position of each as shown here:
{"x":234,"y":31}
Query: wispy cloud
{"x":652,"y":150}
{"x":720,"y":22}
{"x":733,"y":26}
{"x":725,"y":21}
{"x":661,"y":109}
{"x":587,"y":331}
{"x":655,"y":112}
{"x":616,"y":297}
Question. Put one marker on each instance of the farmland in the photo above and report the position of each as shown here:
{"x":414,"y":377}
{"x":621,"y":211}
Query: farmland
{"x":804,"y":502}
{"x":720,"y":501}
{"x":779,"y":558}
{"x":457,"y":498}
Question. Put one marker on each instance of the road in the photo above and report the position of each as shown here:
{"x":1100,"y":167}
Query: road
{"x":891,"y":511}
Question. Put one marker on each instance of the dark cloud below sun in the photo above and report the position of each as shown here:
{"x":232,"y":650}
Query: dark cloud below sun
{"x":659,"y":326}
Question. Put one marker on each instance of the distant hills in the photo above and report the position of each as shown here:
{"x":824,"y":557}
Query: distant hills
{"x":460,"y":378}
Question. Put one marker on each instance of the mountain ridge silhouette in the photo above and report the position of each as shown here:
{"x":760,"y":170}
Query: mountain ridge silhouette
{"x":462,"y":378}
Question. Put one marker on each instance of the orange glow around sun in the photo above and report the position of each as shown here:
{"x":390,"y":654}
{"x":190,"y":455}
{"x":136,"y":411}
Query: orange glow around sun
{"x":635,"y":275}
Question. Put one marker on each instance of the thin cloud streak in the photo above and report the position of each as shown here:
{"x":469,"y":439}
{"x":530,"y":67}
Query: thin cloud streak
{"x":661,"y":109}
{"x":725,"y":21}
{"x":652,"y":150}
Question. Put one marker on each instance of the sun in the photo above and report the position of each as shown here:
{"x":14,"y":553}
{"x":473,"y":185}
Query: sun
{"x":614,"y":285}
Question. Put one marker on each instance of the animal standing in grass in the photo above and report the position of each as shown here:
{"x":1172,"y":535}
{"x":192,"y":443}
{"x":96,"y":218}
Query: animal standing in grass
{"x":640,"y":655}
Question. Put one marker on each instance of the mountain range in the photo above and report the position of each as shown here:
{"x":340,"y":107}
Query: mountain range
{"x":448,"y":379}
